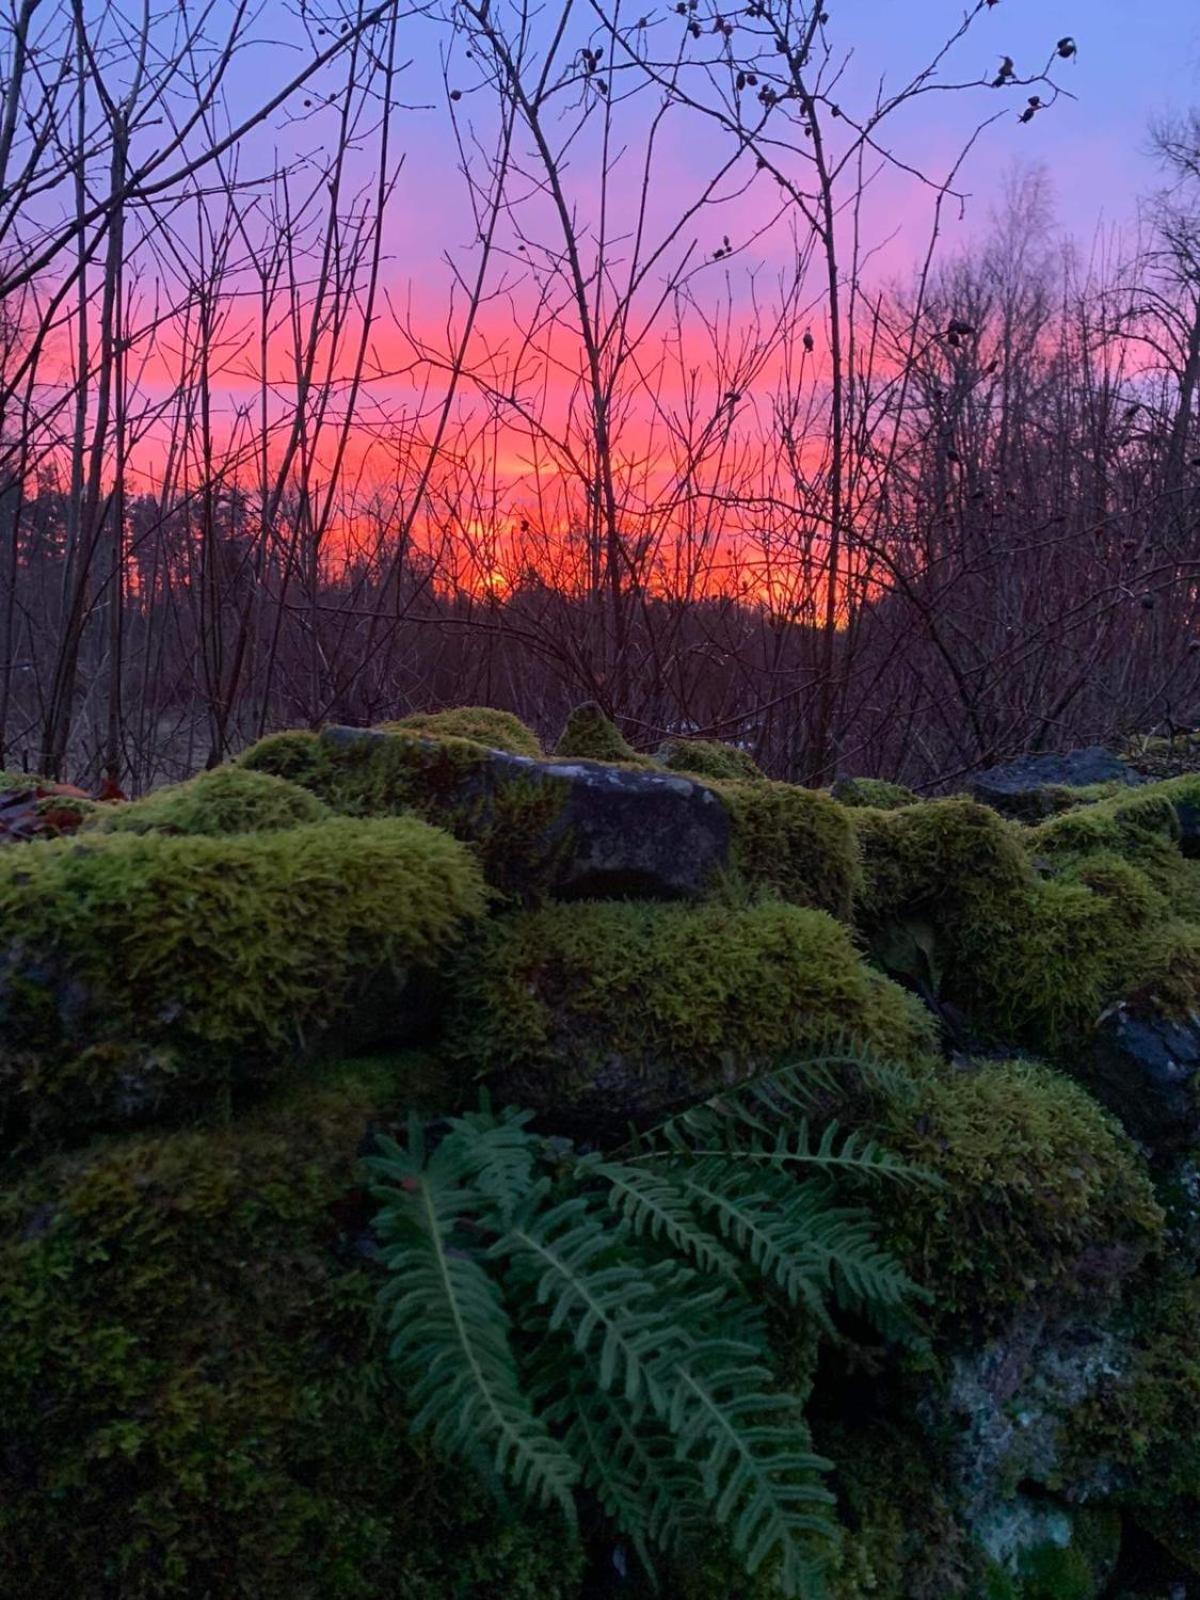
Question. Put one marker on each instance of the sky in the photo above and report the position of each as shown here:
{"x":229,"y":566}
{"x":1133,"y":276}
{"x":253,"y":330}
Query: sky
{"x":1133,"y":63}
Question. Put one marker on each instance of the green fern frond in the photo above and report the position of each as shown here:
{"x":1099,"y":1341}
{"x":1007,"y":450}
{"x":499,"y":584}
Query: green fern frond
{"x":630,"y":1462}
{"x":658,"y":1207}
{"x":570,"y":1262}
{"x":751,"y":1447}
{"x":495,"y":1154}
{"x":449,"y":1328}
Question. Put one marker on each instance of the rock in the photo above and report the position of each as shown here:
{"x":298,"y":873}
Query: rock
{"x":1005,"y":1405}
{"x":1026,"y":788}
{"x":593,"y":830}
{"x":1144,"y":1068}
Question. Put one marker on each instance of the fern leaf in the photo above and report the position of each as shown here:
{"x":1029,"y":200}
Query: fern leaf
{"x":574,"y":1267}
{"x":449,"y":1330}
{"x":752,"y":1449}
{"x":656,"y":1206}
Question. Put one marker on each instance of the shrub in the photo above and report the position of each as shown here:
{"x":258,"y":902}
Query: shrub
{"x":874,"y":792}
{"x":591,"y":1323}
{"x":590,"y":736}
{"x":796,"y":842}
{"x":193,"y":1403}
{"x":142,"y":968}
{"x":498,"y":730}
{"x":1035,"y":1176}
{"x":610,"y":1008}
{"x":708,"y":758}
{"x":225,"y":800}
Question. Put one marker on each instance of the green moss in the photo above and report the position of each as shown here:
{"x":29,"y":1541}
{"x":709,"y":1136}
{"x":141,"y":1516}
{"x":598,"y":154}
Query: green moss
{"x":561,"y":997}
{"x":1031,"y":961}
{"x":1143,"y":1424}
{"x":953,"y":860}
{"x":1140,"y":825}
{"x":193,"y":1401}
{"x":498,"y":730}
{"x":708,"y":758}
{"x":1079,"y":1570}
{"x":511,"y":818}
{"x":874,"y":792}
{"x":225,"y":800}
{"x":590,"y":736}
{"x":903,"y":1540}
{"x":796,"y":842}
{"x":1040,"y":970}
{"x":10,"y":779}
{"x":1034,"y":1175}
{"x":143,"y":969}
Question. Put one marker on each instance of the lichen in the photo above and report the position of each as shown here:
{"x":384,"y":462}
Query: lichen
{"x":226,"y":800}
{"x":498,"y":730}
{"x":709,"y":758}
{"x":682,"y":997}
{"x":1035,"y":1178}
{"x":141,"y":968}
{"x":194,"y":1400}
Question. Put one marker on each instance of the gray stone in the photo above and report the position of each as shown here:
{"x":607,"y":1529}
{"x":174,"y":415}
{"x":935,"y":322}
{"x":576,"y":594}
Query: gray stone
{"x":1024,"y":788}
{"x":1144,"y":1068}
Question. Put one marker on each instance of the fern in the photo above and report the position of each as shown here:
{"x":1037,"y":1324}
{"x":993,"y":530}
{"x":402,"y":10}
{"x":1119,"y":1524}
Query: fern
{"x":449,"y":1330}
{"x":582,"y":1320}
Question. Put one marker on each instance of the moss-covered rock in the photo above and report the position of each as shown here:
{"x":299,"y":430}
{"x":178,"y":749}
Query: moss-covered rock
{"x":142,"y":971}
{"x":193,"y":1401}
{"x":1138,"y":1436}
{"x":1041,"y":1192}
{"x":225,"y":800}
{"x":605,"y":1011}
{"x":591,"y":736}
{"x":498,"y":730}
{"x":954,"y":861}
{"x":796,"y":843}
{"x":874,"y":792}
{"x":708,"y":758}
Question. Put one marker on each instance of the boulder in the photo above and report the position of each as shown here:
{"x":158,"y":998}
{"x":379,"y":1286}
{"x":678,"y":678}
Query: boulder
{"x":1144,"y":1068}
{"x":1025,"y":788}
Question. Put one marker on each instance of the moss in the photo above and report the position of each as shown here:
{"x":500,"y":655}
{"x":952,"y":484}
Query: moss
{"x":796,"y":842}
{"x":568,"y":997}
{"x":1031,"y":961}
{"x":10,"y":779}
{"x":1034,"y":1177}
{"x":509,"y":817}
{"x":874,"y":792}
{"x":1039,"y":971}
{"x":143,"y":969}
{"x":903,"y":1539}
{"x":709,"y":758}
{"x":953,"y":860}
{"x":1140,"y":825}
{"x":193,"y":1400}
{"x":1143,"y":1423}
{"x":498,"y":730}
{"x":1079,"y":1570}
{"x":225,"y":800}
{"x":590,"y":736}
